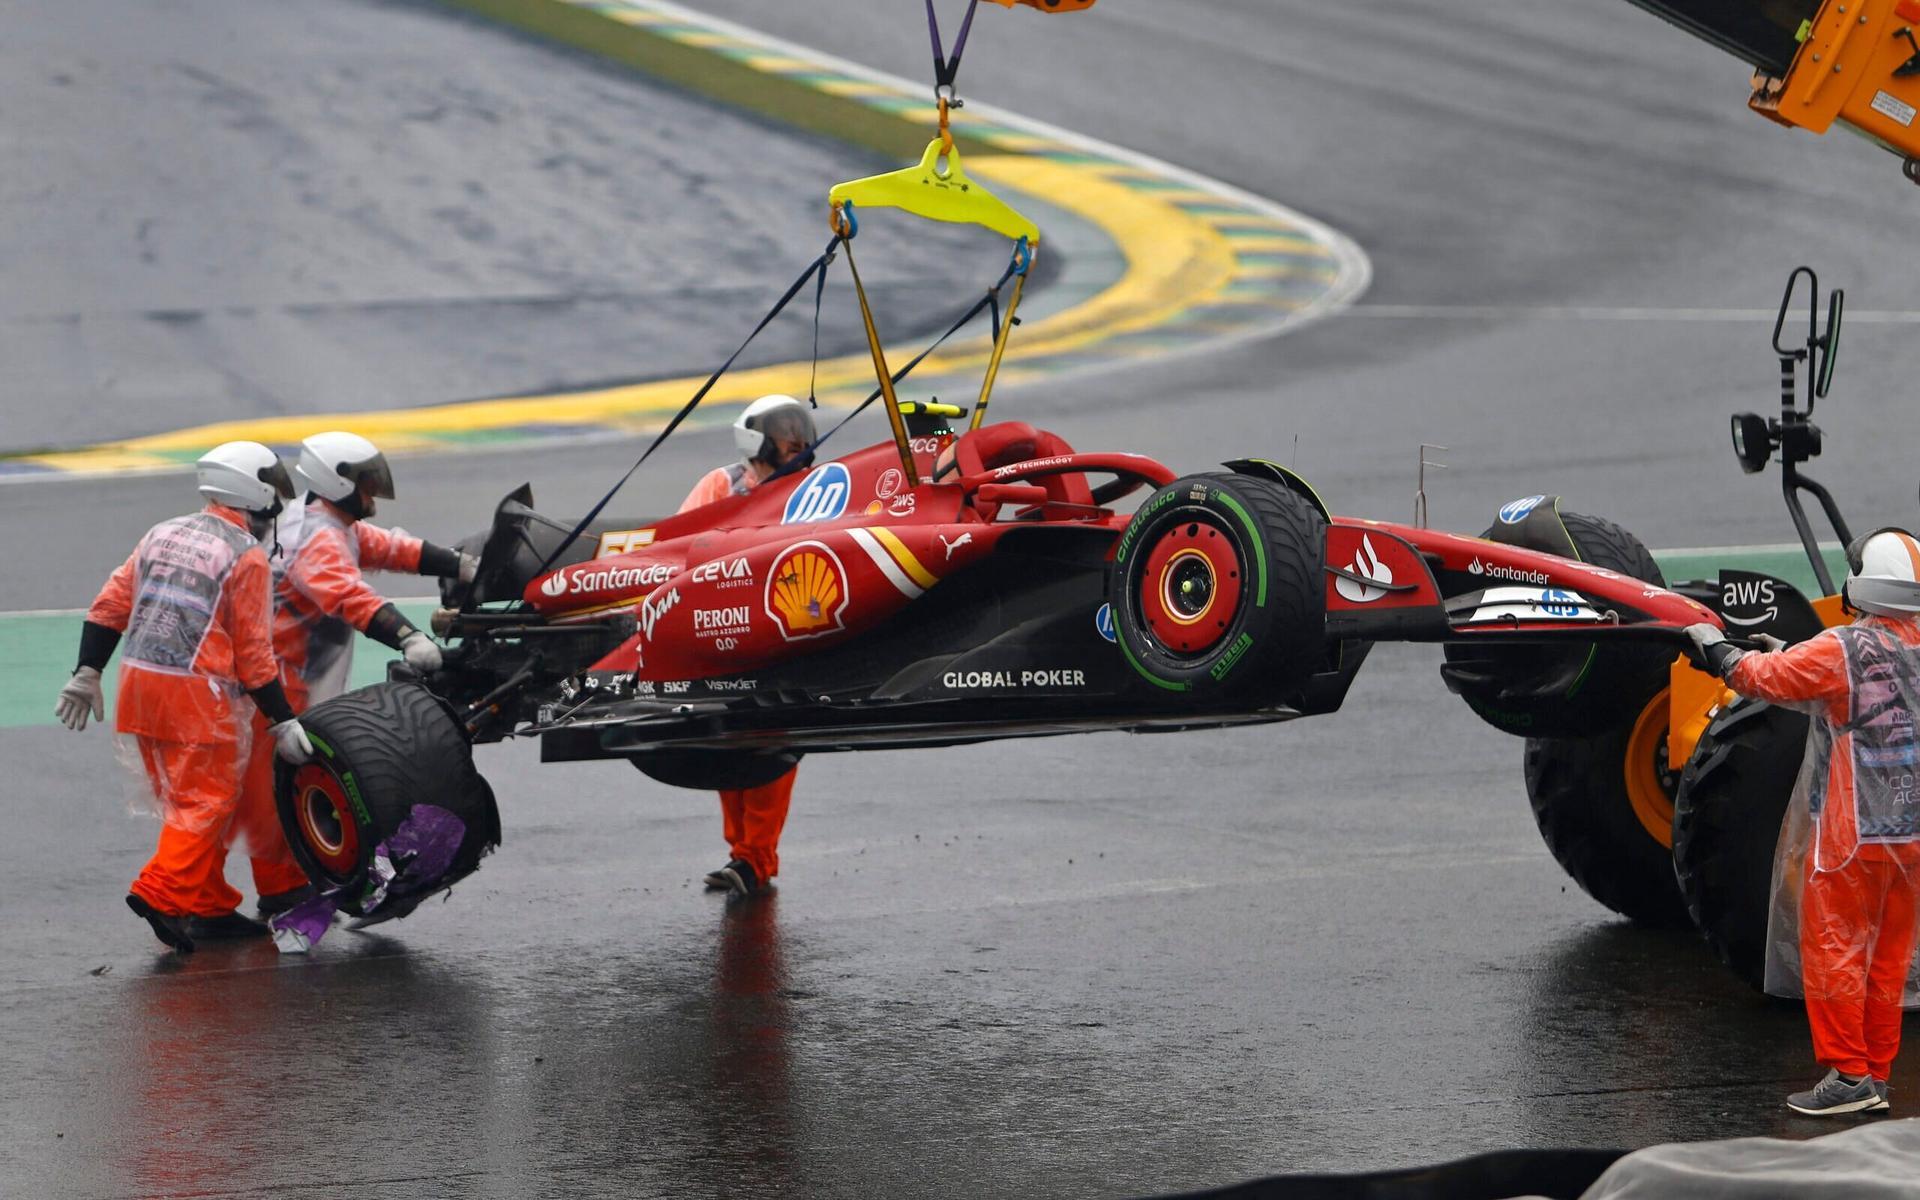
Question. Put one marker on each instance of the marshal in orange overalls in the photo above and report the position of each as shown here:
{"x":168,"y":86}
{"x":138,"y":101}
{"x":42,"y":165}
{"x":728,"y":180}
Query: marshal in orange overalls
{"x":192,"y":602}
{"x":1847,"y":883}
{"x":751,"y":818}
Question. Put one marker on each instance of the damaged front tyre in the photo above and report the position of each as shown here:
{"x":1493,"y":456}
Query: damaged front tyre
{"x":391,"y":778}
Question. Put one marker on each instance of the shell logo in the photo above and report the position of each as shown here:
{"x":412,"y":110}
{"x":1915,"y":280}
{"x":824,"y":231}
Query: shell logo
{"x":807,"y":591}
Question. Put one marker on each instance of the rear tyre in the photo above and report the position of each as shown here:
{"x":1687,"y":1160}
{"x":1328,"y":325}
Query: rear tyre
{"x":1571,"y":692}
{"x":1726,"y":827}
{"x":715,"y":770}
{"x":1217,"y":588}
{"x":1604,"y":805}
{"x":377,"y":753}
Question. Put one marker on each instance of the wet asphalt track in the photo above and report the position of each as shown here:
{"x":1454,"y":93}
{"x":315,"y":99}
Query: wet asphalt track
{"x":1087,"y":966}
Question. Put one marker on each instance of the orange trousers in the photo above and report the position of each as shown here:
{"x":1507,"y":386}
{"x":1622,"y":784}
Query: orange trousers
{"x":257,"y":821}
{"x":199,"y":784}
{"x":1857,"y":931}
{"x":752,"y":819}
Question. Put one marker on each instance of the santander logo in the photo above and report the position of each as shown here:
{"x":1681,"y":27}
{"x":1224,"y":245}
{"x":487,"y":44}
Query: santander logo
{"x":556,"y":584}
{"x":1365,"y":562}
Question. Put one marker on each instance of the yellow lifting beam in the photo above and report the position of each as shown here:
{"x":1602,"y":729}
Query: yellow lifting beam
{"x":937,"y":189}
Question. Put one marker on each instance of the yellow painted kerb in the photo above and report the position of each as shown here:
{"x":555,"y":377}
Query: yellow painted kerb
{"x":1173,"y":261}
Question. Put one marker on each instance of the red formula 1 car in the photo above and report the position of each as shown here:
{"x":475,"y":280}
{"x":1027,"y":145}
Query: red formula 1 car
{"x":949,"y":586}
{"x":956,"y":588}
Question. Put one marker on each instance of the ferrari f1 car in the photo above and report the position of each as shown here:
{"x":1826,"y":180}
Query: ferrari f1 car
{"x":962,"y":587}
{"x":952,"y":585}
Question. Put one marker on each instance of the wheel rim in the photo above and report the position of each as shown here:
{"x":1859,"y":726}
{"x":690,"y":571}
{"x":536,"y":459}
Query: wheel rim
{"x":1651,"y":780}
{"x":326,"y":820}
{"x":1189,"y":591}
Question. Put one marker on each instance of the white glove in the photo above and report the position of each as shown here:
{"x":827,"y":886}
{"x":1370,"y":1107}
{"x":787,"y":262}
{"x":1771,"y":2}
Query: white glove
{"x":1769,"y":643}
{"x":421,"y":652}
{"x":290,"y":742}
{"x":1705,"y":635}
{"x":78,"y":697}
{"x":1711,"y":643}
{"x":469,"y":567}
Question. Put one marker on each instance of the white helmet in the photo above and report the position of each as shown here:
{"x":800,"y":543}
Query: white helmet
{"x":768,"y":421}
{"x":1884,"y":573}
{"x":244,"y":475}
{"x":334,"y":466}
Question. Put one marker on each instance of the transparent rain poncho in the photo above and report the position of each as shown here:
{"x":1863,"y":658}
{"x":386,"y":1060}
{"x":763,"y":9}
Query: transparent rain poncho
{"x":1846,"y":877}
{"x":183,"y":735}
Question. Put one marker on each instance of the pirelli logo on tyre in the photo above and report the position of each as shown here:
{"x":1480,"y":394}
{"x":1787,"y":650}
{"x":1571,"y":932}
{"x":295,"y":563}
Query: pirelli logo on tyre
{"x":1232,"y":657}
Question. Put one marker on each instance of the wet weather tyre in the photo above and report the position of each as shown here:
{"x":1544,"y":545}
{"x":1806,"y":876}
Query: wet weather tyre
{"x":1726,"y":827}
{"x":378,"y":752}
{"x":1573,"y":691}
{"x":1217,"y":588}
{"x":715,"y":770}
{"x":1598,"y":802}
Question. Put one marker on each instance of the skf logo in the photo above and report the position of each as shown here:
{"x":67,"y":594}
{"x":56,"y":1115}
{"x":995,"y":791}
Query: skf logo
{"x":807,"y":592}
{"x":623,"y":541}
{"x":556,"y":584}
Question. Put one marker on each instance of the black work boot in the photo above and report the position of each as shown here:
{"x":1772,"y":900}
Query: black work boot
{"x":736,"y":877}
{"x":170,"y":929}
{"x":278,"y":902}
{"x":225,"y":927}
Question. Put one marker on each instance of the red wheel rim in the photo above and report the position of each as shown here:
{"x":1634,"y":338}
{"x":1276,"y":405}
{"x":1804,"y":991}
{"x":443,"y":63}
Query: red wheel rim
{"x":326,"y":820}
{"x":1190,"y":589}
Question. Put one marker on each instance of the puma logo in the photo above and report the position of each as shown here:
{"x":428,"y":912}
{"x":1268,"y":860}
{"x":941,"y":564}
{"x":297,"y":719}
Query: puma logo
{"x":955,"y":545}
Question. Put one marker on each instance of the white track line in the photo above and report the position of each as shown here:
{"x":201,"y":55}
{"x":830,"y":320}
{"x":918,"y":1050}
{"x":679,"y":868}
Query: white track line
{"x":1354,"y":271}
{"x":1577,"y":312}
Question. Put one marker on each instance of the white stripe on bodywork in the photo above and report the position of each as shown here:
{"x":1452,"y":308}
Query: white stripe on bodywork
{"x":891,"y":569}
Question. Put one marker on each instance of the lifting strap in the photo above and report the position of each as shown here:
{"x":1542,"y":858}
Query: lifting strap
{"x":817,"y":268}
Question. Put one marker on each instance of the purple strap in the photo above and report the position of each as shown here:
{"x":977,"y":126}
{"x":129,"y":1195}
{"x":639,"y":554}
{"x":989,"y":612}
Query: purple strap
{"x":946,"y":69}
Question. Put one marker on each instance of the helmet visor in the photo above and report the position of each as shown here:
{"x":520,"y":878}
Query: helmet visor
{"x":785,"y":432}
{"x":276,"y":477}
{"x":370,"y":475}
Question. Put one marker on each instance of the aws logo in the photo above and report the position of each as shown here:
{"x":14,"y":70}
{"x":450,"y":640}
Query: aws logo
{"x":1746,"y":599}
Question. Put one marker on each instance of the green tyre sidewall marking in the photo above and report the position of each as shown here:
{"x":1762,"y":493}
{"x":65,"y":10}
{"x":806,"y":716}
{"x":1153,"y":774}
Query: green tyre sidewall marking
{"x":1237,"y":652}
{"x":1147,"y":675}
{"x":1254,"y":540}
{"x":353,"y":794}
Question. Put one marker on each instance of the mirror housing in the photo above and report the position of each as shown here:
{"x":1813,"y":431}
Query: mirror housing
{"x":1830,"y":343}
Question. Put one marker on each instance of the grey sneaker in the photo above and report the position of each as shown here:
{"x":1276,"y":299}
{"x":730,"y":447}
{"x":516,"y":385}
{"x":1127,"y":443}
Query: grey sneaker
{"x":1833,"y":1096}
{"x":1885,"y":1091}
